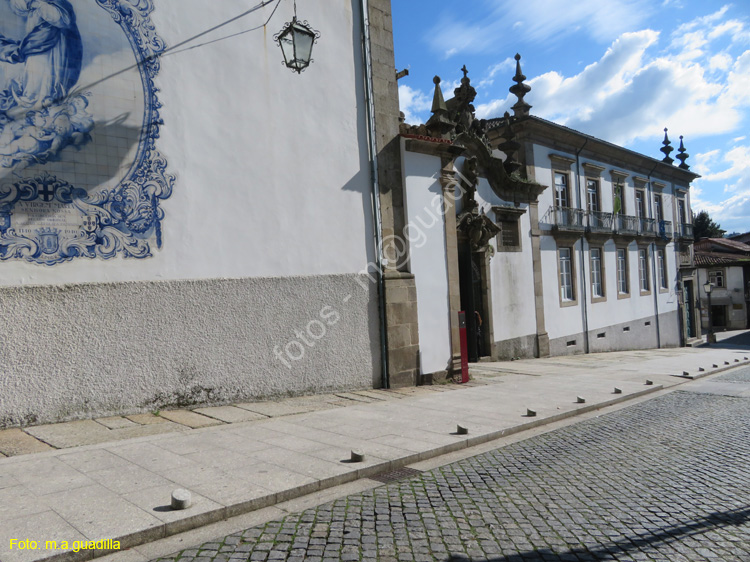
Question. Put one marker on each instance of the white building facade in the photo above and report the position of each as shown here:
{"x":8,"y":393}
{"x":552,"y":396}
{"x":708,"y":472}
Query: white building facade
{"x":550,"y":241}
{"x":725,"y":264}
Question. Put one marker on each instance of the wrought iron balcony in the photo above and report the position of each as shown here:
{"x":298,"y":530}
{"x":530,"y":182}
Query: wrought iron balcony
{"x":647,"y":227}
{"x":566,"y":218}
{"x":665,"y":230}
{"x":600,"y":221}
{"x":686,"y":230}
{"x":627,"y":224}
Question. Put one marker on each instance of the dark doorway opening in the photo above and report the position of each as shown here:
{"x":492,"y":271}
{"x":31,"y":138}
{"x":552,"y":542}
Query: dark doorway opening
{"x":470,"y":272}
{"x":690,"y":310}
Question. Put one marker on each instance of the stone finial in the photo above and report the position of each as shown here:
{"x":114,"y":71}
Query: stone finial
{"x":510,"y":147}
{"x":682,"y":156}
{"x":519,"y":89}
{"x":465,"y":93}
{"x":438,"y":101}
{"x":440,"y":123}
{"x":666,"y":149}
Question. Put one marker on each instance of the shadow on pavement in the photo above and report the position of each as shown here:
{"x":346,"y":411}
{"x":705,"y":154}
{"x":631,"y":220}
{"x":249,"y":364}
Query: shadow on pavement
{"x":611,"y":550}
{"x":738,"y":341}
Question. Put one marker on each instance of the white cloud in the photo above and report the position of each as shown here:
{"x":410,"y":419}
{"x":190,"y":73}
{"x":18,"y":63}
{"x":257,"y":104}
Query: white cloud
{"x":631,"y":93}
{"x":413,"y":102}
{"x":540,"y":21}
{"x":722,"y":61}
{"x":729,"y":173}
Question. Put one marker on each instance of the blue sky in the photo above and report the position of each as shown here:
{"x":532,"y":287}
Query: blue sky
{"x":620,"y":70}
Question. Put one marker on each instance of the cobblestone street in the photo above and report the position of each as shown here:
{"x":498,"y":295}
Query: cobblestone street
{"x":664,"y":480}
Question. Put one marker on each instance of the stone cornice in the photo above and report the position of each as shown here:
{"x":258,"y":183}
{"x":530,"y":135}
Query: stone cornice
{"x":557,"y":137}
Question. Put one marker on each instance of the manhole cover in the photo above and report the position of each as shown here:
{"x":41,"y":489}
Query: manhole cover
{"x":396,"y":475}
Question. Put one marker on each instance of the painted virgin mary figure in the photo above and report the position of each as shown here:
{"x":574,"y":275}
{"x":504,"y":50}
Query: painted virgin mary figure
{"x":50,"y":51}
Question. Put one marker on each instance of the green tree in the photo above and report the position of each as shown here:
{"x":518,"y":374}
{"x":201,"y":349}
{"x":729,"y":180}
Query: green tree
{"x":704,"y":227}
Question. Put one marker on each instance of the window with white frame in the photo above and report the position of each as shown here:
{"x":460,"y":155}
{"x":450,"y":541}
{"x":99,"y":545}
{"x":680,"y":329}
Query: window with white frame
{"x":717,"y":277}
{"x":567,"y":293}
{"x":640,"y":203}
{"x":561,"y":190}
{"x":658,"y":208}
{"x":597,"y":285}
{"x":643,"y":270}
{"x":622,"y":271}
{"x":681,"y":212}
{"x":661,"y":263}
{"x":592,"y":195}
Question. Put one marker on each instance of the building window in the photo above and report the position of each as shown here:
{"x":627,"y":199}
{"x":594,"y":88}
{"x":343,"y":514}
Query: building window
{"x":717,"y":278}
{"x":643,"y":271}
{"x":592,"y":195}
{"x":509,"y":236}
{"x":567,"y":292}
{"x":658,"y":208}
{"x":509,"y":221}
{"x":640,"y":204}
{"x":597,"y":279}
{"x":662,"y":265}
{"x":681,"y":214}
{"x":562,"y":199}
{"x":622,"y":271}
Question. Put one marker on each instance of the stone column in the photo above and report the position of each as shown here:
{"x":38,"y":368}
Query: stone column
{"x":402,"y":335}
{"x":448,"y":183}
{"x":542,"y":338}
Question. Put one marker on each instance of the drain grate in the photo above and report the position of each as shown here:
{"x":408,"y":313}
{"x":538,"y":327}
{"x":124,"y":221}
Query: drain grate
{"x":396,"y":475}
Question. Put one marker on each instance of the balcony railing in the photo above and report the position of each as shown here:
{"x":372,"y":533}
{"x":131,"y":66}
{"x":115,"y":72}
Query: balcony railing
{"x":628,"y":224}
{"x":600,"y":221}
{"x":647,"y":227}
{"x":568,"y":219}
{"x":665,"y":230}
{"x":686,"y":230}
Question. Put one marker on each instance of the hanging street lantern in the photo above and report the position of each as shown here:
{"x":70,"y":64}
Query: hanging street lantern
{"x":296,"y":40}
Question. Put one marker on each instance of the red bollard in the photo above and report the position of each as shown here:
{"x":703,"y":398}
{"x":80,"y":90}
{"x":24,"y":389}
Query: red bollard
{"x":464,"y":347}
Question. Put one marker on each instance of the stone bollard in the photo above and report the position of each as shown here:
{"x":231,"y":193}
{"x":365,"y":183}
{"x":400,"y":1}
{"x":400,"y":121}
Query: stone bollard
{"x":462,"y":429}
{"x":181,"y":499}
{"x":357,"y":456}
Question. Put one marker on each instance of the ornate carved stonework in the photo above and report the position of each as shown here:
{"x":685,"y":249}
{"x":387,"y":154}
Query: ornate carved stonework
{"x":455,"y":121}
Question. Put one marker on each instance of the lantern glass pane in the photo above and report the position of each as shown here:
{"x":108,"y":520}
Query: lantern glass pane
{"x":287,"y":47}
{"x":303,"y":40}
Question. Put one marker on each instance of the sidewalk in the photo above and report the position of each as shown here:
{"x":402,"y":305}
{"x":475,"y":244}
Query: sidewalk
{"x":121,"y":490}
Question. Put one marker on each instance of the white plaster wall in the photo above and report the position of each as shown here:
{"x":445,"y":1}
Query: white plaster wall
{"x":271,"y":166}
{"x":620,"y":311}
{"x":426,"y":234}
{"x":543,"y":175}
{"x":511,"y":276}
{"x":559,"y":320}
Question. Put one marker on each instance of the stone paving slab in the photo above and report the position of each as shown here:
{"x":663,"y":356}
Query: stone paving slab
{"x":116,"y":422}
{"x":89,"y":432}
{"x":250,"y":465}
{"x":147,"y":419}
{"x":18,"y":442}
{"x":189,"y":419}
{"x":229,"y":414}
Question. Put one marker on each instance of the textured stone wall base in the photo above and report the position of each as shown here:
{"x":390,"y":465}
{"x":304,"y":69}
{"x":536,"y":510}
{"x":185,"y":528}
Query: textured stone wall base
{"x":612,"y":338}
{"x":89,"y":350}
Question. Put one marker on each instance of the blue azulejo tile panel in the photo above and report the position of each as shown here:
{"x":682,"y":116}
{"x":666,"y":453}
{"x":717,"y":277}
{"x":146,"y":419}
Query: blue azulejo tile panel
{"x":80,"y":172}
